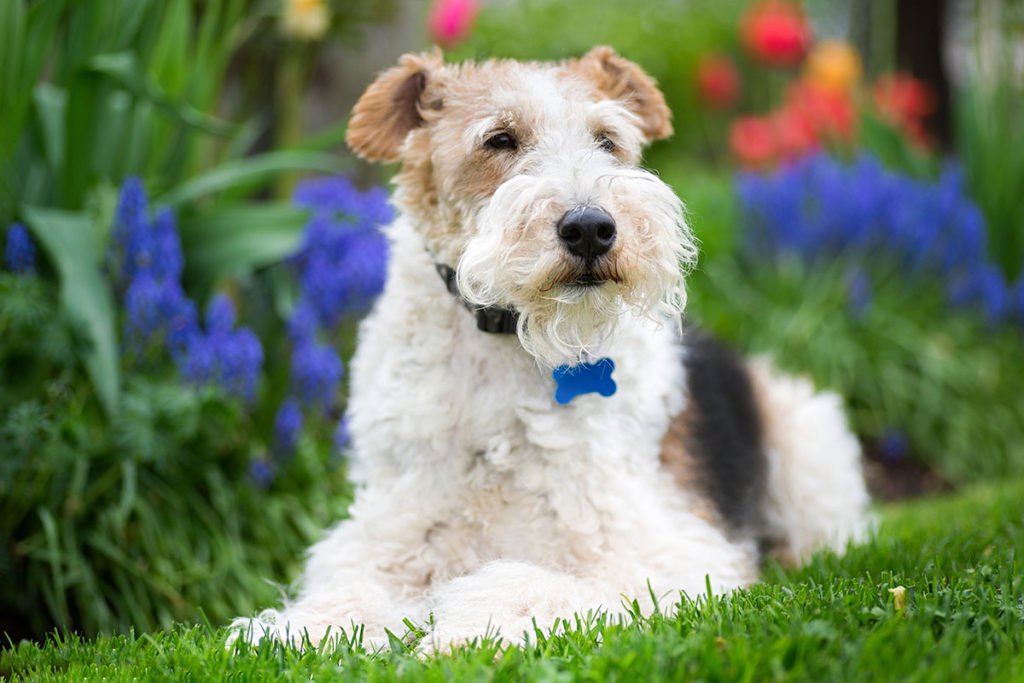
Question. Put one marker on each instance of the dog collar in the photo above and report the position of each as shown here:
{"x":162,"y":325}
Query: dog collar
{"x":570,"y":380}
{"x":492,"y":319}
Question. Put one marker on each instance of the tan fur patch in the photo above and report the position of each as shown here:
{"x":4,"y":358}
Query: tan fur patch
{"x":390,"y":108}
{"x":675,"y":458}
{"x":621,"y":79}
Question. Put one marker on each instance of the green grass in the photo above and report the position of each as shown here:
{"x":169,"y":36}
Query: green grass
{"x":832,"y":620}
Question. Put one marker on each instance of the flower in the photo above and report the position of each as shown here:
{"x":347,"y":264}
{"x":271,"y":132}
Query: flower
{"x":262,"y":473}
{"x":776,"y":32}
{"x":894,"y":445}
{"x":906,"y":102}
{"x":817,"y":208}
{"x":287,"y":427}
{"x":752,"y":140}
{"x":825,"y":114}
{"x":449,"y":21}
{"x":316,"y":373}
{"x":833,"y":66}
{"x":718,"y":82}
{"x":19,"y":252}
{"x":305,"y":19}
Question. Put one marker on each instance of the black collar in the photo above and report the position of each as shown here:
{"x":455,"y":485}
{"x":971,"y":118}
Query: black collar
{"x":488,"y":319}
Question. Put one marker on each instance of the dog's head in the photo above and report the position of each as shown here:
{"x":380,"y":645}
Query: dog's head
{"x":525,"y":176}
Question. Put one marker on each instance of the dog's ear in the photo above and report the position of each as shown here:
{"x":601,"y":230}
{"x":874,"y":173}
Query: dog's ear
{"x":621,"y":79}
{"x":391,"y":107}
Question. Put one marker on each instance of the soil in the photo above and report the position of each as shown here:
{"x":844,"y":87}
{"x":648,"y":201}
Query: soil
{"x":891,"y":479}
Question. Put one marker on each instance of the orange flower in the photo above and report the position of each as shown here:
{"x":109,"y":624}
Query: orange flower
{"x":834,"y":66}
{"x":752,"y":141}
{"x":718,"y":82}
{"x":776,"y":32}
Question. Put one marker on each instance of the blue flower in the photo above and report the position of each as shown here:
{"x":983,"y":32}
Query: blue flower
{"x":316,"y":373}
{"x":894,"y":445}
{"x":262,"y":473}
{"x":343,"y":258}
{"x":20,"y":252}
{"x":220,"y":315}
{"x":158,"y":311}
{"x":817,"y":208}
{"x":287,"y":427}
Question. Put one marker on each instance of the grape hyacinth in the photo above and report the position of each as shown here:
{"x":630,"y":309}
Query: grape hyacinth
{"x":19,"y":252}
{"x":146,"y":261}
{"x":287,"y":427}
{"x":340,"y":267}
{"x":817,"y":208}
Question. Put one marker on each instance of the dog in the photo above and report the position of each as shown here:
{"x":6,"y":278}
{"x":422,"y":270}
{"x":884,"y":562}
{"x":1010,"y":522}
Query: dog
{"x":534,"y":434}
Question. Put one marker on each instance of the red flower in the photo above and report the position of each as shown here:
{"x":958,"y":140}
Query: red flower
{"x":776,"y":32}
{"x":718,"y":82}
{"x":906,"y":102}
{"x":450,"y":20}
{"x":794,"y":133}
{"x":752,"y":140}
{"x":825,"y":113}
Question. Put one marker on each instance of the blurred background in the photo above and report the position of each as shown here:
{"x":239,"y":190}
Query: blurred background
{"x":187,"y":246}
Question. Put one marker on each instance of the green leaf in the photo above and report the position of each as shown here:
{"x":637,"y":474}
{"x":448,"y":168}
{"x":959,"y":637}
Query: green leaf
{"x":238,"y":239}
{"x":51,"y":103}
{"x":69,"y":239}
{"x":124,"y":69}
{"x":251,"y":170}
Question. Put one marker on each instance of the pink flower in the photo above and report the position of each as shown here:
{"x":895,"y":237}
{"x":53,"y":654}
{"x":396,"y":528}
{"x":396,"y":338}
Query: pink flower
{"x":449,"y":21}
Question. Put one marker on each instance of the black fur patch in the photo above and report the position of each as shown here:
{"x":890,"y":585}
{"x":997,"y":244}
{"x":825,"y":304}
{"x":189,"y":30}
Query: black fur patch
{"x":724,"y":435}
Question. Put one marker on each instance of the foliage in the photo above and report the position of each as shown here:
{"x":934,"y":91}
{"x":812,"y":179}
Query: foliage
{"x":988,"y":118}
{"x":836,"y":619}
{"x":187,"y":496}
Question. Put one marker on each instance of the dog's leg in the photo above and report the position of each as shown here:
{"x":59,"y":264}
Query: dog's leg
{"x":815,"y":494}
{"x":371,"y":570}
{"x":505,"y":598}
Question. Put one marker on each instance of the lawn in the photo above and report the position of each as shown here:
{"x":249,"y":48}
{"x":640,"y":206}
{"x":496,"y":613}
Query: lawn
{"x":962,"y":616}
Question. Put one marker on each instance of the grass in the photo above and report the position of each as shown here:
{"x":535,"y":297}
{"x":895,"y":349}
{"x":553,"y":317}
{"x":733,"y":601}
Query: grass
{"x":835,"y":619}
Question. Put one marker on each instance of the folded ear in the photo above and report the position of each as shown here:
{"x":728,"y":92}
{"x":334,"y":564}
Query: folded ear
{"x":621,"y":79}
{"x":390,"y":107}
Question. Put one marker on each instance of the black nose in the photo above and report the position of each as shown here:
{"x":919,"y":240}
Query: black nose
{"x":587,"y":232}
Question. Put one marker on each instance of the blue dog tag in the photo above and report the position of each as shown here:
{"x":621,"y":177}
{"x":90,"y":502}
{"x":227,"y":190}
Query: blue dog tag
{"x":574,"y":380}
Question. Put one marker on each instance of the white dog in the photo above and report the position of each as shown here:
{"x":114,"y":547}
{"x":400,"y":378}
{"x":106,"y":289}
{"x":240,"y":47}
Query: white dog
{"x":532,"y":434}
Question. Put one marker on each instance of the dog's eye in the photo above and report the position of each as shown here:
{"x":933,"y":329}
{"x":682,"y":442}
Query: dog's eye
{"x":605,"y":143}
{"x":502,"y":141}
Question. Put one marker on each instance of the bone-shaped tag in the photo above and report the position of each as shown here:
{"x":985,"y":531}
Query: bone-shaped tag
{"x":573,"y":380}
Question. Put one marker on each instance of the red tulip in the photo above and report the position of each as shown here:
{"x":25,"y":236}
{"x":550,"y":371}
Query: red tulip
{"x":826,"y":113}
{"x":449,"y":21}
{"x":718,"y":82}
{"x":905,"y":101}
{"x":776,"y":32}
{"x":752,"y":140}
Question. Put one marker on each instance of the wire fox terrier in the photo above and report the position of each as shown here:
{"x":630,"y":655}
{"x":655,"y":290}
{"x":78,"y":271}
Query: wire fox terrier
{"x":561,"y":446}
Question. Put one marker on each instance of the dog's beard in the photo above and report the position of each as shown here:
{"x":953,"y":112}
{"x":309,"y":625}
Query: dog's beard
{"x":567,"y":310}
